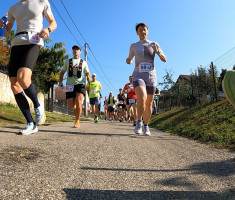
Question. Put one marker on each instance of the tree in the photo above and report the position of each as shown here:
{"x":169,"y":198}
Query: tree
{"x":48,"y":66}
{"x":4,"y":53}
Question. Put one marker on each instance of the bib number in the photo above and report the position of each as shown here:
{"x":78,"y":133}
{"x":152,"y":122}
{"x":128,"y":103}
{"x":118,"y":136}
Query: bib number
{"x":69,"y":88}
{"x":93,"y":92}
{"x":34,"y":38}
{"x":145,"y":67}
{"x":131,"y":100}
{"x":120,"y":102}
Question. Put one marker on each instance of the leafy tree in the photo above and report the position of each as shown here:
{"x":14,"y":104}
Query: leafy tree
{"x":167,"y":80}
{"x":222,"y":74}
{"x":48,"y":66}
{"x":4,"y":53}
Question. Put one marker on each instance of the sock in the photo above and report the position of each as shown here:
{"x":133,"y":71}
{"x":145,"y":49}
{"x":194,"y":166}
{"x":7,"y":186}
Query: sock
{"x":145,"y":125}
{"x":24,"y":106}
{"x":32,"y":94}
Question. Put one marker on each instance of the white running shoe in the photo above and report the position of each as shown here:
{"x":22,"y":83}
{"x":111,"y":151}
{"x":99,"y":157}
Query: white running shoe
{"x":40,"y":115}
{"x":138,"y":127}
{"x":147,"y":131}
{"x":29,"y":129}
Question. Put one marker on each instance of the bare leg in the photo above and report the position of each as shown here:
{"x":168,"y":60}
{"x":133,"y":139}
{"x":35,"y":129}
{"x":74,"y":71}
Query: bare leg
{"x":141,"y":101}
{"x":148,"y":108}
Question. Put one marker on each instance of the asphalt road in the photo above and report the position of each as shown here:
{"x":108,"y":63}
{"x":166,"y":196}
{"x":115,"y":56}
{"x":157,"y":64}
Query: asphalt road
{"x":108,"y":161}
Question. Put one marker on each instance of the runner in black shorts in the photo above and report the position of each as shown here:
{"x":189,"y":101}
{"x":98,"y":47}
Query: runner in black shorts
{"x":24,"y":53}
{"x":75,"y":85}
{"x":121,"y":105}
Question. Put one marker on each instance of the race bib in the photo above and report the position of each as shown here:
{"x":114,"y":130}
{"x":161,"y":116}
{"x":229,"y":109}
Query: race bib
{"x":69,"y":88}
{"x":146,"y":67}
{"x":130,"y":87}
{"x":131,"y":100}
{"x":34,"y":38}
{"x":93,"y":91}
{"x":120,"y":102}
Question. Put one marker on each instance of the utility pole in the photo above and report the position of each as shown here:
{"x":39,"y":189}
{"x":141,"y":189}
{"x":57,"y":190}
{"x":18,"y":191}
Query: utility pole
{"x":85,"y":97}
{"x":215,"y":90}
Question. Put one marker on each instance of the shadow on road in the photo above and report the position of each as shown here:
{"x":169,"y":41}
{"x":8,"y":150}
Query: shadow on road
{"x":219,"y":169}
{"x":86,"y":194}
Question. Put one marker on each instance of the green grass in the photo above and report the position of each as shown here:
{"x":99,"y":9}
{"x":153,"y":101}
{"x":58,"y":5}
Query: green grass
{"x":212,"y":123}
{"x":9,"y":114}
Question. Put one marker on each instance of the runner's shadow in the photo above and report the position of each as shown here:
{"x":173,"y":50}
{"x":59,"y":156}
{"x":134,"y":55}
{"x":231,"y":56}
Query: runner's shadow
{"x":88,"y":194}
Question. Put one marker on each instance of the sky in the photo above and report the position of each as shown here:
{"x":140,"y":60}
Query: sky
{"x":190,"y":32}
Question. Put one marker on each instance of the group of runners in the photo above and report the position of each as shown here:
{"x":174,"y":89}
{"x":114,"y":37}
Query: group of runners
{"x":137,"y":95}
{"x":122,"y":108}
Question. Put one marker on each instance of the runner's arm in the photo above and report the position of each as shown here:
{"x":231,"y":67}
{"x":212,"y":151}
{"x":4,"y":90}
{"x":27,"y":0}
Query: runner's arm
{"x":52,"y":26}
{"x":8,"y":29}
{"x":61,"y":78}
{"x":88,"y":75}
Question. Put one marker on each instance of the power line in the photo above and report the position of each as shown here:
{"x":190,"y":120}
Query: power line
{"x":64,"y":22}
{"x":87,"y":43}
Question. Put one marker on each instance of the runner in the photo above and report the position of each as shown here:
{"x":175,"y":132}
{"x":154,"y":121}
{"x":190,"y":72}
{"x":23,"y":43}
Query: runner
{"x":144,"y":75}
{"x":111,"y":105}
{"x":105,"y":108}
{"x":131,"y":100}
{"x":121,"y":105}
{"x":75,"y":85}
{"x":24,"y":53}
{"x":94,"y":87}
{"x":99,"y":106}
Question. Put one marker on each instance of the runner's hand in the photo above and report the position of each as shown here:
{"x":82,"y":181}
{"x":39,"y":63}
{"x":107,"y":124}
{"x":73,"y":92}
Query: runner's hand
{"x":129,"y":61}
{"x":44,"y":33}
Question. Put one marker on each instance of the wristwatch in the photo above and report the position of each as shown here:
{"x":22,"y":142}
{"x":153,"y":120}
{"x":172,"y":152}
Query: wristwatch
{"x":49,"y":29}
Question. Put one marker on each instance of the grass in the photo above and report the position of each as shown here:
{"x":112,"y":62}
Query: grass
{"x":9,"y":114}
{"x":212,"y":123}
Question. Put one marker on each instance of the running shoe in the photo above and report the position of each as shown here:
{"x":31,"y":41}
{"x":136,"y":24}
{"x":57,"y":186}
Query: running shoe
{"x":96,"y":119}
{"x":29,"y":129}
{"x":134,"y":123}
{"x":40,"y":115}
{"x":147,"y":131}
{"x":138,"y":128}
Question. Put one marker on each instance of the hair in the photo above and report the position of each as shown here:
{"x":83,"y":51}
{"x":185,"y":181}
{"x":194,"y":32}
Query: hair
{"x":140,"y":24}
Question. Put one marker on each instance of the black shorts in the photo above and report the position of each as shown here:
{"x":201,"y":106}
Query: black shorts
{"x":23,"y":56}
{"x":79,"y":88}
{"x":122,"y":105}
{"x":111,"y":109}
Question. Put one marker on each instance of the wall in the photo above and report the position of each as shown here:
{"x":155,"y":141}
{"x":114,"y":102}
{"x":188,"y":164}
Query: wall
{"x":6,"y":95}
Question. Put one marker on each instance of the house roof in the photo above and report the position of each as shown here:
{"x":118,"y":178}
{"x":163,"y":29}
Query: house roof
{"x":186,"y":76}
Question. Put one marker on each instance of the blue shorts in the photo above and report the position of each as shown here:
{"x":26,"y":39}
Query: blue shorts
{"x":94,"y":101}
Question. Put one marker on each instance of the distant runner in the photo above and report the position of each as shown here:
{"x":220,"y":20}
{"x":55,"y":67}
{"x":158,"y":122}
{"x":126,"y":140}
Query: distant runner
{"x":131,"y":99}
{"x":121,"y":105}
{"x":94,"y":88}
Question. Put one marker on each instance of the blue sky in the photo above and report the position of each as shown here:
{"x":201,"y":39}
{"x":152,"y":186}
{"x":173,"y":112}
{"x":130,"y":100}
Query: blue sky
{"x":190,"y":32}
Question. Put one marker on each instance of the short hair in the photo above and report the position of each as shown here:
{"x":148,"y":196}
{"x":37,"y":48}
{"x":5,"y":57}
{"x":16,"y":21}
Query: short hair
{"x":76,"y":47}
{"x":140,"y":24}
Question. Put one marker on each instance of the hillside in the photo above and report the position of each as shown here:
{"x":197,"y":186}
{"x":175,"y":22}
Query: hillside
{"x":212,"y":123}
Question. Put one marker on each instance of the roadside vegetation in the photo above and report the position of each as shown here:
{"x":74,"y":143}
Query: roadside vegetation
{"x":10,"y":114}
{"x":213,"y":123}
